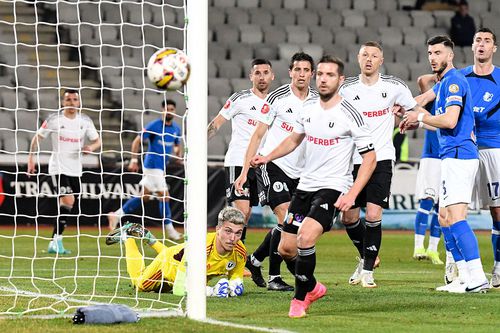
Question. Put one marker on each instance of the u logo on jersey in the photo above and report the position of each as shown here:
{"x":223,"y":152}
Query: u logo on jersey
{"x":331,"y":124}
{"x":384,"y":95}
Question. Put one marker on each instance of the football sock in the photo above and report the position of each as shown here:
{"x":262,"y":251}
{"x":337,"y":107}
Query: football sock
{"x":495,"y":240}
{"x":135,"y":262}
{"x":255,"y":261}
{"x":435,"y":233}
{"x":372,"y":241}
{"x":60,"y":221}
{"x":451,"y":244}
{"x":263,"y":250}
{"x":290,"y":264}
{"x":165,"y":212}
{"x":274,"y":258}
{"x":131,"y":205}
{"x":466,"y":240}
{"x":304,"y":272}
{"x":421,"y":221}
{"x":356,"y":233}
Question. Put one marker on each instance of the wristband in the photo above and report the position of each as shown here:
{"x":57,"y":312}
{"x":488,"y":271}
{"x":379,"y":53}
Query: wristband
{"x":420,"y":117}
{"x":420,"y":124}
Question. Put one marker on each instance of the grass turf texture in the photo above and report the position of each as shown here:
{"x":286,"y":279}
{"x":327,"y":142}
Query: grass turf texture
{"x":404,"y":301}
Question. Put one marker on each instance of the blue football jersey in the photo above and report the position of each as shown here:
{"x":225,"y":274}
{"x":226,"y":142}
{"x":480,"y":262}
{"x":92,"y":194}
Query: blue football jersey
{"x":431,"y":142}
{"x":485,"y":104}
{"x":162,"y":139}
{"x":458,"y":142}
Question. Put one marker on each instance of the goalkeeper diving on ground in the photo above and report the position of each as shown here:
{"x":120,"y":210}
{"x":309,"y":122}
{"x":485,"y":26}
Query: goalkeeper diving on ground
{"x":226,"y":257}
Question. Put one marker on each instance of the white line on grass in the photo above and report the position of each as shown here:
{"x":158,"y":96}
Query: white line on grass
{"x":250,"y":327}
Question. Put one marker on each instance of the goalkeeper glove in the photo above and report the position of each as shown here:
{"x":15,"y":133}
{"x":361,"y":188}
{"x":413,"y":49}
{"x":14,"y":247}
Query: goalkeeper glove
{"x":221,"y":289}
{"x":236,"y":287}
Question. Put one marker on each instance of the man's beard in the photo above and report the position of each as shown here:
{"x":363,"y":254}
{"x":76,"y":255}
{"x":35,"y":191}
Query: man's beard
{"x":441,"y":68}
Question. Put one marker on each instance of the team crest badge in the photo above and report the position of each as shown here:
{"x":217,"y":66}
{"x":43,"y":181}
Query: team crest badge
{"x":227,"y":105}
{"x":230,"y":265}
{"x":453,"y":88}
{"x":265,"y":109}
{"x":487,"y":97}
{"x":289,"y":218}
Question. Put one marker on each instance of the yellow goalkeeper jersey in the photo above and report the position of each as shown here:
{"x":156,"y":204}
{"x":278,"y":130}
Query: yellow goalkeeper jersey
{"x":172,"y":259}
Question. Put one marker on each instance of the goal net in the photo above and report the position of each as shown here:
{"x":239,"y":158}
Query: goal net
{"x":99,"y":48}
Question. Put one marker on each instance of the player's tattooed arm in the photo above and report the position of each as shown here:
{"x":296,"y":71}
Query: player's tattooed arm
{"x":214,"y":126}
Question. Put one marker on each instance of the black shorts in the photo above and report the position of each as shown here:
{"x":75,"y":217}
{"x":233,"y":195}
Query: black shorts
{"x":317,"y":205}
{"x":274,"y":186}
{"x":250,"y":186}
{"x":378,"y":188}
{"x":66,"y":185}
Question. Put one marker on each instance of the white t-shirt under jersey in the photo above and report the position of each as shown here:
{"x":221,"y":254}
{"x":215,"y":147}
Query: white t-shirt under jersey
{"x":280,"y":113}
{"x":331,"y":137}
{"x":375,"y":103}
{"x":68,"y":137}
{"x":243,"y":109}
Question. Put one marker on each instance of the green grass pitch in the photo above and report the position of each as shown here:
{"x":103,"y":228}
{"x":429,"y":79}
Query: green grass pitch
{"x":405,"y":300}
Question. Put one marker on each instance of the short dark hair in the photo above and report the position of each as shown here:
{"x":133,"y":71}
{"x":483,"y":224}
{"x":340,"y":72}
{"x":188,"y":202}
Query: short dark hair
{"x":168,"y":102}
{"x":488,"y":30}
{"x":373,"y":44}
{"x":260,"y":61}
{"x":441,"y":39}
{"x":301,"y":56}
{"x":70,"y":91}
{"x":333,"y":60}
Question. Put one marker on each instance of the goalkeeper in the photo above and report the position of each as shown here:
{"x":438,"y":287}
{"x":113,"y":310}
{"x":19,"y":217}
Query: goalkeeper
{"x":226,"y":256}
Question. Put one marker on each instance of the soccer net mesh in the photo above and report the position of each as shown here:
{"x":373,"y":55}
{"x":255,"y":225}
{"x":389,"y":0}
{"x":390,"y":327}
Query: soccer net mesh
{"x":100,"y":48}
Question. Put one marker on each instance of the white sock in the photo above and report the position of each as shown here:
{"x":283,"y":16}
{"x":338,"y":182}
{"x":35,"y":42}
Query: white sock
{"x":463,"y":271}
{"x":476,"y":270}
{"x":449,"y":258}
{"x":496,"y":267}
{"x":255,"y":262}
{"x":419,"y":241}
{"x":272,"y":277}
{"x":433,"y":243}
{"x":364,"y":271}
{"x":169,"y":227}
{"x":119,"y":212}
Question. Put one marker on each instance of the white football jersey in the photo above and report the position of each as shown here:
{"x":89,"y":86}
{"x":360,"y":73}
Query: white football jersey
{"x":280,"y":113}
{"x":375,"y":103}
{"x":331,"y":137}
{"x":68,"y":137}
{"x":243,"y":109}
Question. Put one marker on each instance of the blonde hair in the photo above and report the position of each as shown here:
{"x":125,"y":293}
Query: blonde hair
{"x":231,"y":215}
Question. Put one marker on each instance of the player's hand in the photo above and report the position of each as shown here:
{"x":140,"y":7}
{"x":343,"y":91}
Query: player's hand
{"x":398,"y":111}
{"x":405,"y":126}
{"x":345,"y":202}
{"x":133,"y":166}
{"x":31,"y":167}
{"x":258,"y":160}
{"x":221,"y":289}
{"x":239,"y":182}
{"x":86,"y":149}
{"x":236,"y":287}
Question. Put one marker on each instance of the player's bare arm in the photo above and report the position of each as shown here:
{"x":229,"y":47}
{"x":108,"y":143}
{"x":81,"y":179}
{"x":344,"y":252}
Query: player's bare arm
{"x":346,"y":201}
{"x":133,"y":166}
{"x":93,"y":146}
{"x":284,"y":148}
{"x":447,"y":120}
{"x":34,"y":145}
{"x":253,"y":145}
{"x":214,"y":126}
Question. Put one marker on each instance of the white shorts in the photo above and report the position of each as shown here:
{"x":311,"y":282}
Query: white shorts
{"x":487,"y":190}
{"x":428,"y":179}
{"x":154,"y":180}
{"x":457,"y":181}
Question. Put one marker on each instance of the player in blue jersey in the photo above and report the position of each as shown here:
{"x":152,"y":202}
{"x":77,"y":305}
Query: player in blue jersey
{"x":484,"y":80}
{"x":427,"y":188}
{"x":163,"y":136}
{"x":458,"y":151}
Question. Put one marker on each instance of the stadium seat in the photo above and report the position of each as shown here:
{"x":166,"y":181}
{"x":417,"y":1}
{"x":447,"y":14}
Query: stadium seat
{"x":283,"y":17}
{"x":389,"y":53}
{"x":219,"y":87}
{"x":214,"y":106}
{"x":271,"y":4}
{"x":89,"y":12}
{"x":338,"y":50}
{"x":236,"y":16}
{"x":345,"y":37}
{"x":27,"y":122}
{"x":414,"y":36}
{"x":135,"y":58}
{"x":321,"y":35}
{"x":239,"y":84}
{"x":138,"y":13}
{"x":287,"y":50}
{"x":27,"y":76}
{"x":351,"y":69}
{"x":132,"y":35}
{"x":260,"y":17}
{"x":227,"y":34}
{"x":13,"y":145}
{"x":376,"y":20}
{"x":337,"y":5}
{"x":391,"y":36}
{"x":314,"y":50}
{"x":386,"y":5}
{"x":87,"y":34}
{"x":212,"y":67}
{"x":417,"y":69}
{"x":307,"y":18}
{"x":367,"y":34}
{"x":297,"y":34}
{"x":247,"y":3}
{"x":422,"y":19}
{"x":399,"y":19}
{"x":407,"y":54}
{"x":398,"y":69}
{"x":229,"y":68}
{"x":167,"y":17}
{"x":494,"y":6}
{"x":330,"y":19}
{"x":353,"y":18}
{"x":68,"y":12}
{"x":468,"y":54}
{"x":251,"y":34}
{"x":216,"y":17}
{"x":478,"y":6}
{"x":274,"y":35}
{"x":111,"y":13}
{"x":217,"y":50}
{"x":443,"y":18}
{"x":280,"y":69}
{"x":317,"y":4}
{"x":224,"y":3}
{"x":217,"y":147}
{"x":429,"y":32}
{"x":243,"y":51}
{"x":459,"y":54}
{"x":368,"y":5}
{"x":46,"y":99}
{"x":267,"y":51}
{"x":294,"y":4}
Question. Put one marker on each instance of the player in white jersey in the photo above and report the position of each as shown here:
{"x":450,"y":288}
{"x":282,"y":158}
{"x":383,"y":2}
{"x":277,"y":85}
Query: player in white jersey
{"x":374,"y":95}
{"x":331,"y":129}
{"x":277,"y":181}
{"x":68,"y":131}
{"x":243,"y":109}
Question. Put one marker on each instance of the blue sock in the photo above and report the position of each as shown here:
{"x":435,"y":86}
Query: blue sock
{"x":466,"y":240}
{"x":422,"y":217}
{"x":495,"y":240}
{"x":450,"y":244}
{"x":131,"y":205}
{"x":435,"y":227}
{"x":165,"y":212}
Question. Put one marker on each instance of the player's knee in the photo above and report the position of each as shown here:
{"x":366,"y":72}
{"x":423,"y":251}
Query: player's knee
{"x":287,"y":251}
{"x":305,"y":240}
{"x":495,"y":213}
{"x":374,"y":215}
{"x":349,"y":220}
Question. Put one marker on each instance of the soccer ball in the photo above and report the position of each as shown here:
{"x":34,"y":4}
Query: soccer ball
{"x":168,"y":69}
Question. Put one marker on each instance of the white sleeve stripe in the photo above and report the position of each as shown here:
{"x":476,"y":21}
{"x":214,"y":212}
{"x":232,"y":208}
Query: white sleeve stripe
{"x":357,"y":117}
